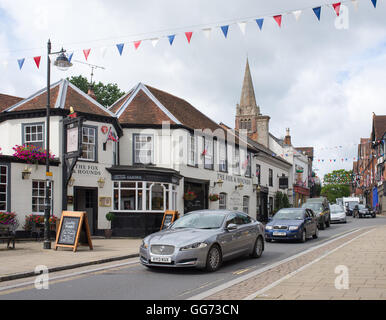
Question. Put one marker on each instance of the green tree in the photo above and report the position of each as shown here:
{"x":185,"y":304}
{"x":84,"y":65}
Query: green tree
{"x":106,"y":95}
{"x":281,"y":201}
{"x":338,"y":177}
{"x":333,"y":191}
{"x":318,"y":190}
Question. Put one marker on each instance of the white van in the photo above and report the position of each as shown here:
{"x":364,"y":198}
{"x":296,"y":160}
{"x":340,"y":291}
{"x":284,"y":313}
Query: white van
{"x":349,"y":204}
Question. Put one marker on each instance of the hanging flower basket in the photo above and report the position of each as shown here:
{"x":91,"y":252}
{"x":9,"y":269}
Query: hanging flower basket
{"x":31,"y":154}
{"x":214,"y":197}
{"x":7,"y":218}
{"x":38,"y":219}
{"x":190,"y":195}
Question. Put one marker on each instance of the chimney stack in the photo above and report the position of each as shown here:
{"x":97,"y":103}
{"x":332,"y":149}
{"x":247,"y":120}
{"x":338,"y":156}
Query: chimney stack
{"x":91,"y":93}
{"x":287,"y":139}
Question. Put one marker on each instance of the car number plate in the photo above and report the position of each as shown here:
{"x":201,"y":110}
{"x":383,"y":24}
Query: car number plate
{"x":161,"y":259}
{"x":279,"y":233}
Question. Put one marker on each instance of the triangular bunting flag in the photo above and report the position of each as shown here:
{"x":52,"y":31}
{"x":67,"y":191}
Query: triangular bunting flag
{"x":120,"y":48}
{"x":103,"y":51}
{"x":70,"y":57}
{"x":278,"y":19}
{"x":374,"y":3}
{"x":297,"y":14}
{"x":242,"y":26}
{"x":260,"y":22}
{"x":207,"y":32}
{"x":225,"y":30}
{"x":20,"y":62}
{"x":154,"y":41}
{"x":188,"y":36}
{"x":136,"y":44}
{"x":317,"y":12}
{"x":355,"y":4}
{"x":37,"y":61}
{"x":336,"y":7}
{"x":171,"y":38}
{"x":86,"y":53}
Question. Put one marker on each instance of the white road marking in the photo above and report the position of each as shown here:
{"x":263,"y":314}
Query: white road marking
{"x":274,"y":284}
{"x":233,"y":282}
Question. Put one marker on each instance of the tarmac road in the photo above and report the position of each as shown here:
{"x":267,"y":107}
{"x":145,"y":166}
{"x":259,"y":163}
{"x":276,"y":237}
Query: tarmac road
{"x":135,"y":281}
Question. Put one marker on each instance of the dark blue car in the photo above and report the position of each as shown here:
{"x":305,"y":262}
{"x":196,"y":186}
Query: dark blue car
{"x":292,"y":224}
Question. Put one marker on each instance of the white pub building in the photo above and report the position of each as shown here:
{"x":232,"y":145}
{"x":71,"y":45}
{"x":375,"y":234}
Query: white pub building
{"x":149,"y":152}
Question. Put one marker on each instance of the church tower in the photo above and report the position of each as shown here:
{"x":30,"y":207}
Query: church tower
{"x":248,"y":114}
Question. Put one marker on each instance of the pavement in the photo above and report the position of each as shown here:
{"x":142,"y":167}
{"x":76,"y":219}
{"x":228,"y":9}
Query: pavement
{"x":21,"y":262}
{"x":350,"y":267}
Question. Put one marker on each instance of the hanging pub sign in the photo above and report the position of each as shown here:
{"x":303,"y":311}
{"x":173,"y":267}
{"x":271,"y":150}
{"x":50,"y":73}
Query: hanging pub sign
{"x":73,"y":230}
{"x":169,"y":218}
{"x":283,"y":183}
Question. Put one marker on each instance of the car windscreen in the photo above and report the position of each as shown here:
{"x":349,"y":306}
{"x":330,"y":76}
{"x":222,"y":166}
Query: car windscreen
{"x":361,"y":207}
{"x":316,"y":207}
{"x":200,"y":221}
{"x":336,"y":208}
{"x":352,"y":204}
{"x":288,"y":214}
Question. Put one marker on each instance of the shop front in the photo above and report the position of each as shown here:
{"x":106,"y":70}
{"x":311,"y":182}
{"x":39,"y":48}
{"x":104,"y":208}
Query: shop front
{"x":141,"y":195}
{"x":301,"y":194}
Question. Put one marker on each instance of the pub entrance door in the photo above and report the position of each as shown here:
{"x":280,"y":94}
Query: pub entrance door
{"x":86,"y":199}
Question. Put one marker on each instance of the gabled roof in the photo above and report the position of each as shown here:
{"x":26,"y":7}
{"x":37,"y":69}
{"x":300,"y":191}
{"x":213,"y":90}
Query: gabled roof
{"x":147,"y":105}
{"x":63,"y":95}
{"x":6,"y":101}
{"x":379,"y":127}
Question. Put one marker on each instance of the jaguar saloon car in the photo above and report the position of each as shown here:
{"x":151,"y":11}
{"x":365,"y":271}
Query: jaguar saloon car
{"x":204,"y":239}
{"x":292,"y":224}
{"x":361,"y":211}
{"x":338,"y":213}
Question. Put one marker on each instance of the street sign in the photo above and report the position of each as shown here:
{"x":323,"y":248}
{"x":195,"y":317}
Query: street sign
{"x":73,"y":230}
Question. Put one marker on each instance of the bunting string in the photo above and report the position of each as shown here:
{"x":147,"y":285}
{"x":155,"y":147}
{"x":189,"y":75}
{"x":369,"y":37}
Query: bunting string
{"x":205,"y":29}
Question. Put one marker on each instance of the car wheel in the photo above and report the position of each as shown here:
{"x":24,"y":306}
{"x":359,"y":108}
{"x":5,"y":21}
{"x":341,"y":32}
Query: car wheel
{"x":374,"y":216}
{"x":214,"y":259}
{"x":258,"y":248}
{"x":328,"y":223}
{"x":316,"y":235}
{"x":303,"y":238}
{"x":268,"y":240}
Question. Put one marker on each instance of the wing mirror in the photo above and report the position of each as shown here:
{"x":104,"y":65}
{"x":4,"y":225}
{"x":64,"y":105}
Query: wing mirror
{"x":231,"y":227}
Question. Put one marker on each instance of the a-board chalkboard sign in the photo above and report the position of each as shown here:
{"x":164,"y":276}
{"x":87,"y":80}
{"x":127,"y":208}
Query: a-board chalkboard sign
{"x":72,"y":225}
{"x":168,"y":218}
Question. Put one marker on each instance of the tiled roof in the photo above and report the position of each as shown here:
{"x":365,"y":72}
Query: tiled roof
{"x":148,"y":105}
{"x":6,"y":101}
{"x":309,"y":151}
{"x":379,"y":127}
{"x":63,"y":95}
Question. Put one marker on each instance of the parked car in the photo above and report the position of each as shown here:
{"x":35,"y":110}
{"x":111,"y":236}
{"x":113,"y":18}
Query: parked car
{"x":292,"y":223}
{"x":204,"y":239}
{"x":361,"y":211}
{"x":349,"y":204}
{"x":321,"y":208}
{"x":338,"y":213}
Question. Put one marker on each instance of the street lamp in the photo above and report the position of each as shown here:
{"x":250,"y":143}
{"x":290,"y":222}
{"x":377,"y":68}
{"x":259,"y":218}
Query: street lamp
{"x":63,"y":64}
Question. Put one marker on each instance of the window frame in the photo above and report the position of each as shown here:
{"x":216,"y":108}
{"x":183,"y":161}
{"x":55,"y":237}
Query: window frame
{"x":135,"y":135}
{"x":95,"y":128}
{"x":23,"y":133}
{"x":190,"y":151}
{"x":236,"y":161}
{"x":225,"y":201}
{"x":258,"y":176}
{"x":7,"y":186}
{"x":210,"y":165}
{"x":247,"y":207}
{"x":270,"y":177}
{"x":39,"y":213}
{"x":222,"y":167}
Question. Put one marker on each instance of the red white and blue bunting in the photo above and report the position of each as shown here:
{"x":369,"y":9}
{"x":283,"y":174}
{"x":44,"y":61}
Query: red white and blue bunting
{"x":207,"y":30}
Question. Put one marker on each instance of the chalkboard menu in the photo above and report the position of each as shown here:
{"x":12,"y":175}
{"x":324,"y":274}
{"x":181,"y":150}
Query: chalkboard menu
{"x":169,"y":218}
{"x":69,"y":230}
{"x":72,"y":225}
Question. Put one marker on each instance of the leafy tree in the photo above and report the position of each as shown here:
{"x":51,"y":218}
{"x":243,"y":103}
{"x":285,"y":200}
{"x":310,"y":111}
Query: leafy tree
{"x":106,"y":95}
{"x":281,"y":201}
{"x":333,"y":191}
{"x":338,"y":177}
{"x":318,"y":190}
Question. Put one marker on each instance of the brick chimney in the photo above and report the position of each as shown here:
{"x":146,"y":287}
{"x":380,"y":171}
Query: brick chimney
{"x":91,"y":93}
{"x":287,"y":138}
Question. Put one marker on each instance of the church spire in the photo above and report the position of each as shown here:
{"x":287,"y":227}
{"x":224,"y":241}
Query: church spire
{"x":248,"y":93}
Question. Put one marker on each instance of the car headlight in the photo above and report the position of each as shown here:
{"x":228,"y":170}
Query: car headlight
{"x":197,"y":245}
{"x":144,"y":244}
{"x":291,"y":228}
{"x":268,"y":227}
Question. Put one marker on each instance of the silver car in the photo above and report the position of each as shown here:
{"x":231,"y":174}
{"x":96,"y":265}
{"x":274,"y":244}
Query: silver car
{"x":204,"y":239}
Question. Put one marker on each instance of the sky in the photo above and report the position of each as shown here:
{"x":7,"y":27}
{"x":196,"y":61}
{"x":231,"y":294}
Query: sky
{"x":318,"y":79}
